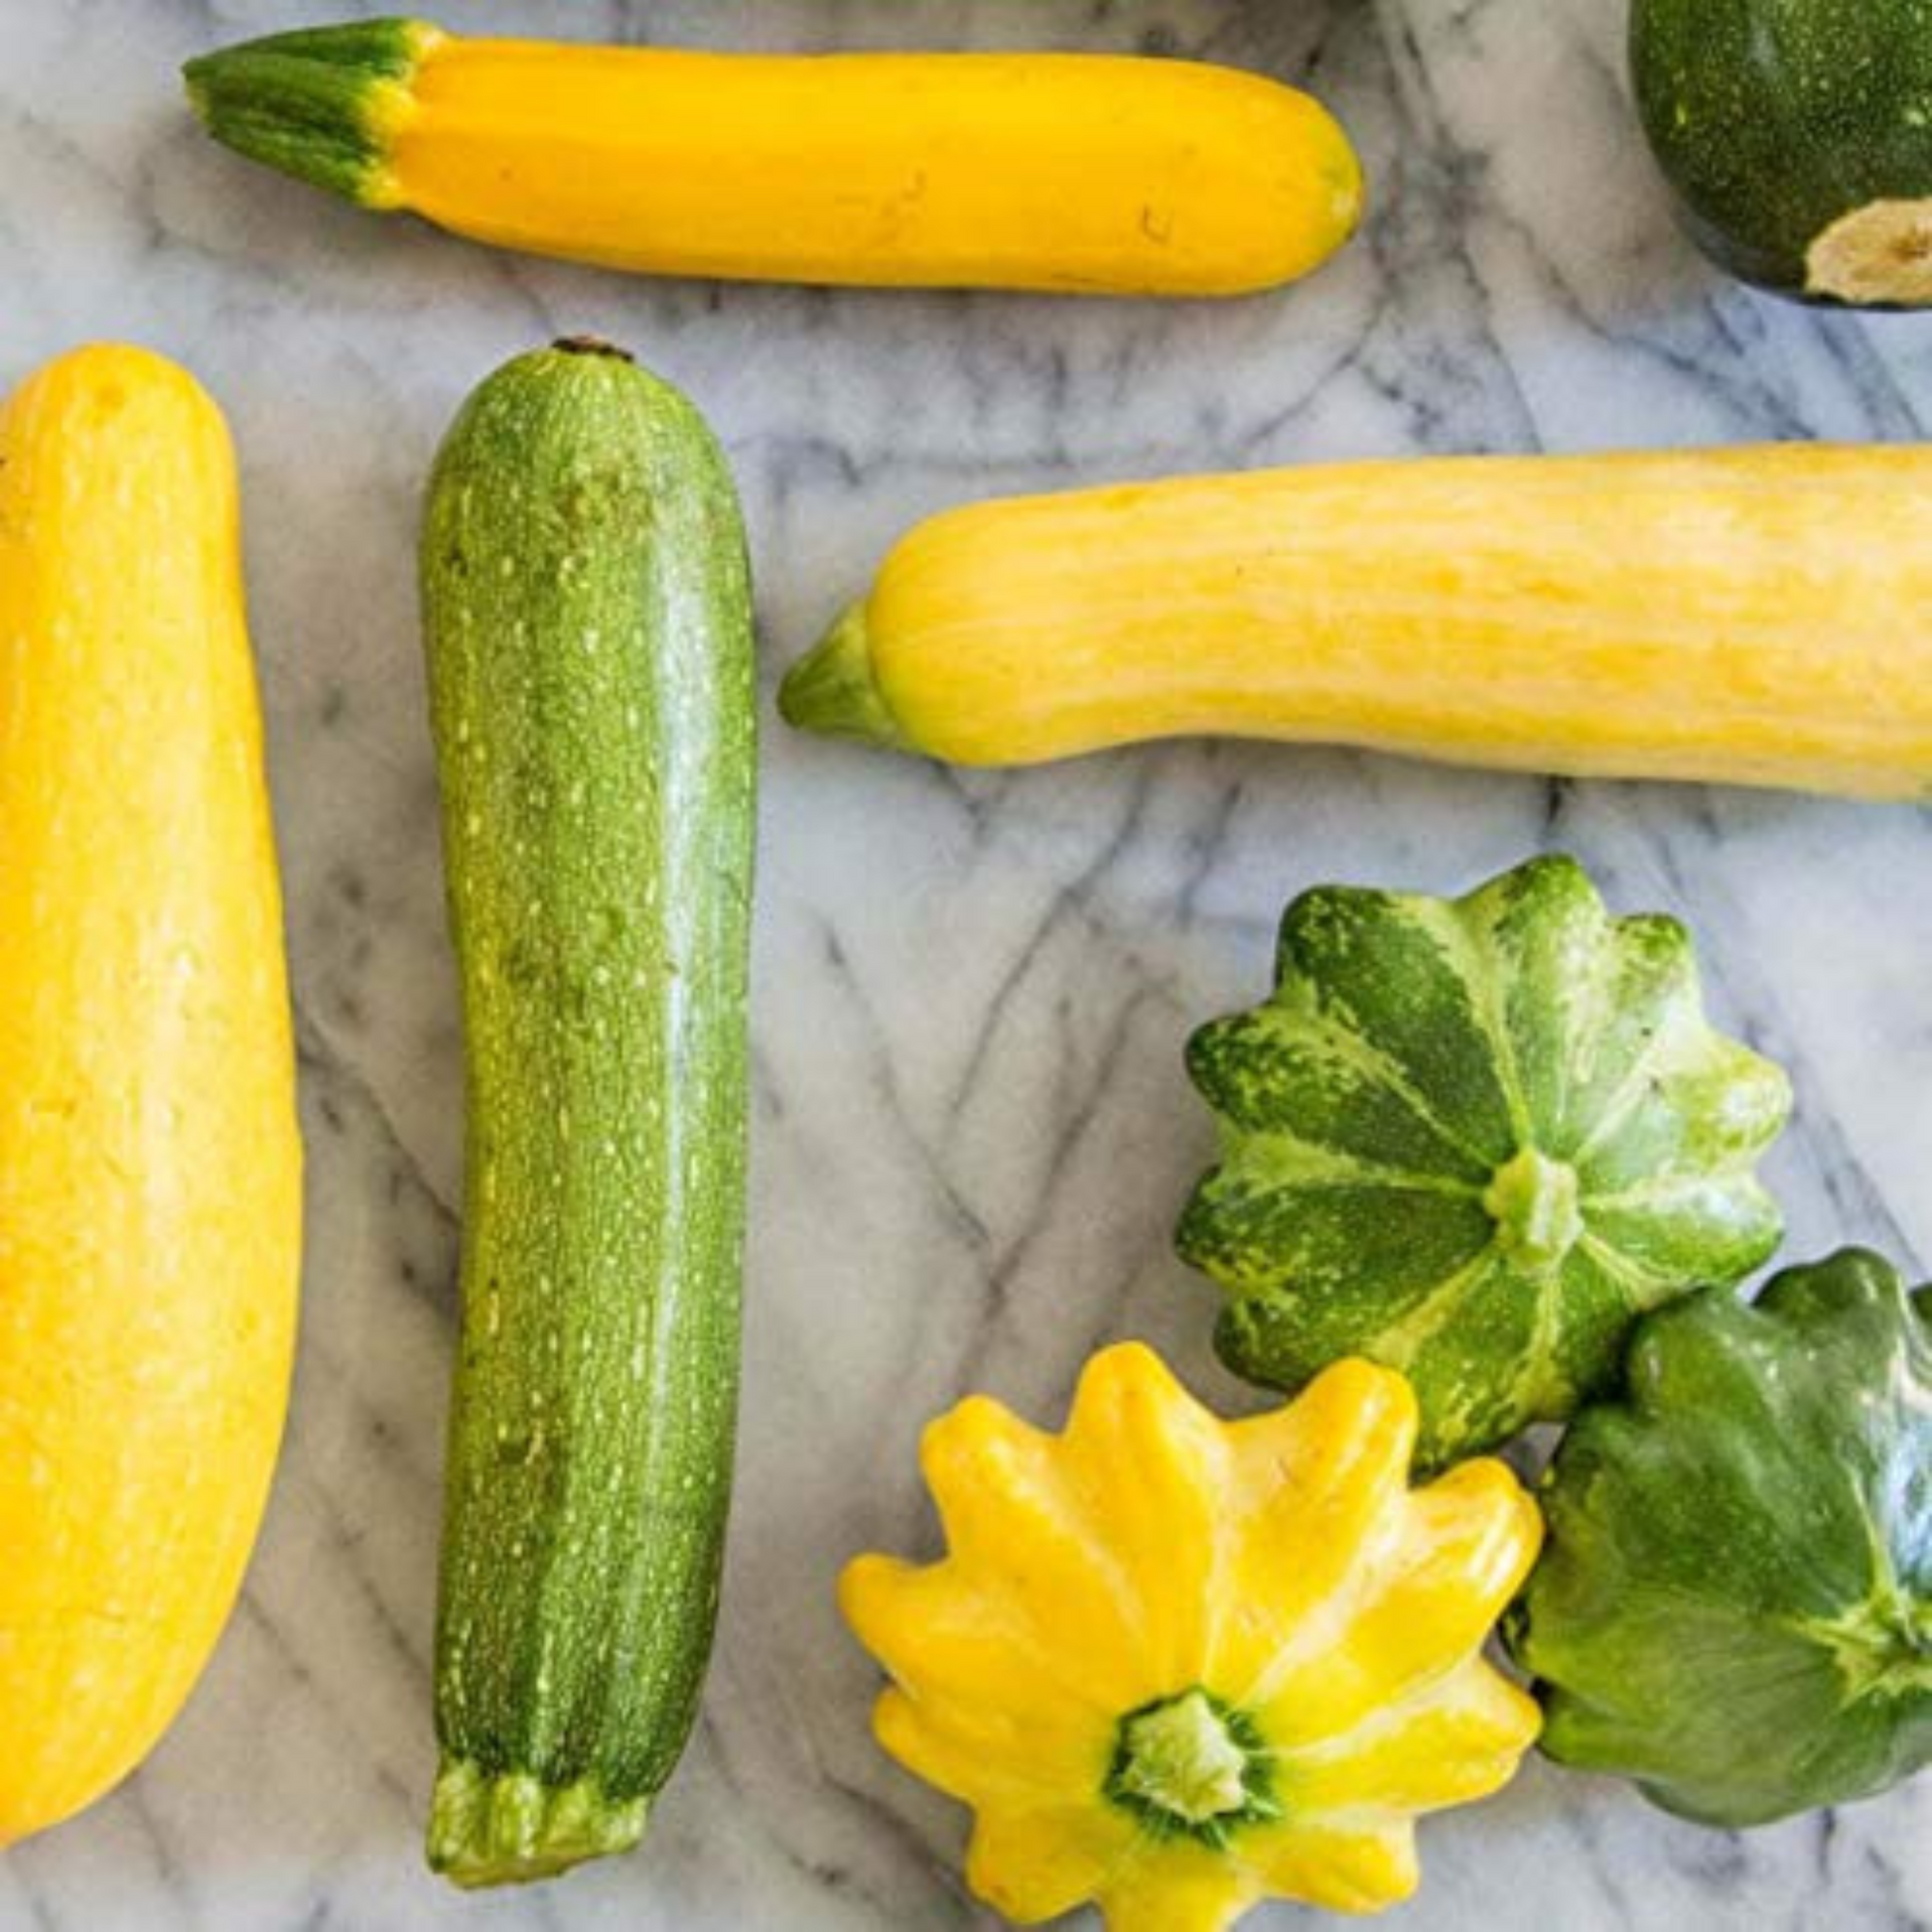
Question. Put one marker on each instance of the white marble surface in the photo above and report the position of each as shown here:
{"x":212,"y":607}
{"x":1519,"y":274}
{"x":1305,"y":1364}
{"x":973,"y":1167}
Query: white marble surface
{"x":972,"y":1129}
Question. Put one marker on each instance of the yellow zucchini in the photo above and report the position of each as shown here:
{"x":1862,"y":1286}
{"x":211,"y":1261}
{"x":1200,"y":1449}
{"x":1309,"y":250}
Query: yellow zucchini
{"x":1058,"y":172}
{"x":1755,"y":617}
{"x":150,"y":1206}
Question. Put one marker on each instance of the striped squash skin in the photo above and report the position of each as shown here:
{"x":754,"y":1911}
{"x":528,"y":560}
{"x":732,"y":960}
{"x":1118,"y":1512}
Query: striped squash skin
{"x":150,"y":1170}
{"x":1751,"y":617}
{"x":1473,"y":1140}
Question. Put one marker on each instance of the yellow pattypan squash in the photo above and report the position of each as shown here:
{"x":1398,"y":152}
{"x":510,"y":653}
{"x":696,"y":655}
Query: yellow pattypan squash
{"x":1177,"y":1665}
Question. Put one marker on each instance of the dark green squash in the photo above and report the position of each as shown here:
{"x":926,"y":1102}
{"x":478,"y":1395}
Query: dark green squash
{"x":587,"y":618}
{"x":1735,"y":1604}
{"x":1798,"y":137}
{"x":1473,"y":1140}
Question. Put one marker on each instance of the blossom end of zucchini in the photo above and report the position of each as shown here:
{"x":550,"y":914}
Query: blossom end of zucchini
{"x":511,"y":1828}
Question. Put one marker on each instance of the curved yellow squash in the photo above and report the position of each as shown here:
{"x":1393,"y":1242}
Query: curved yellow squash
{"x":1069,"y":173}
{"x":1758,"y":617}
{"x":150,"y":1209}
{"x":1177,"y":1665}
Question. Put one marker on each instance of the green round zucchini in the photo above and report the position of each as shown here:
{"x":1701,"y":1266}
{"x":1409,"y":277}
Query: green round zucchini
{"x":1797,"y":135}
{"x":587,"y":624}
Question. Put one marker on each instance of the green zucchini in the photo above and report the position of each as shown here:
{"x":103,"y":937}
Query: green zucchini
{"x":1797,"y":135}
{"x":587,"y":613}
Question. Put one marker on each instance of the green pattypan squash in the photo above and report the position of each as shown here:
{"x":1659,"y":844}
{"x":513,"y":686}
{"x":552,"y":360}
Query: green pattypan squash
{"x":1735,"y":1606}
{"x":1473,"y":1140}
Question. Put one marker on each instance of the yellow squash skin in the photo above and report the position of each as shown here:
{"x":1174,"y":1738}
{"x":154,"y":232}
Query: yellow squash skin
{"x":1153,"y":1561}
{"x":150,"y":1211}
{"x":1757,"y":616}
{"x":1064,"y":173}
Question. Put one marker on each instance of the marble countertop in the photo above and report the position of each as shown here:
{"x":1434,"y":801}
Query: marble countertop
{"x":972,"y":1132}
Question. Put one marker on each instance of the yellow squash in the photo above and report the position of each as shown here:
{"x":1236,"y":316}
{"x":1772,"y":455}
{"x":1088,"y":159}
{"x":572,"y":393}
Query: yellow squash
{"x":1058,"y":172}
{"x":1747,"y":616}
{"x":150,"y":1213}
{"x":1177,"y":1665}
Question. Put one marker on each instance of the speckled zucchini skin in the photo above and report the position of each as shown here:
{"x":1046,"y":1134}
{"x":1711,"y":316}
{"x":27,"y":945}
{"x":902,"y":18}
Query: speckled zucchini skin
{"x":1775,"y":119}
{"x":589,"y":633}
{"x":1473,"y":1140}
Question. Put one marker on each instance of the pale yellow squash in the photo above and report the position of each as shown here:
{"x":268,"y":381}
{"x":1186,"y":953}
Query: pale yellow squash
{"x":1071,"y":172}
{"x":1747,"y":617}
{"x":150,"y":1209}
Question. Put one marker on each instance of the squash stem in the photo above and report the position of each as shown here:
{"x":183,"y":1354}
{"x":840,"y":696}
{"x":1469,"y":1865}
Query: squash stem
{"x":1877,"y":256}
{"x":509,"y":1828}
{"x":322,"y":105}
{"x":592,"y":346}
{"x":1191,"y":1766}
{"x":834,"y":689}
{"x":1536,"y":1204}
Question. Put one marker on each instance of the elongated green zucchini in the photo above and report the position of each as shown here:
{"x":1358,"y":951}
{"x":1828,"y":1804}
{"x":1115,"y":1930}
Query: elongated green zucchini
{"x":588,"y":623}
